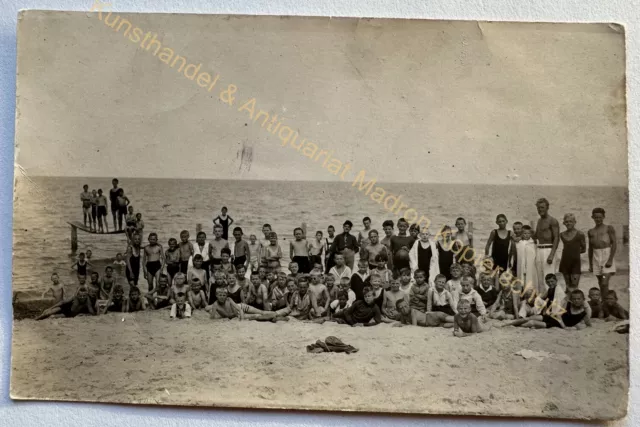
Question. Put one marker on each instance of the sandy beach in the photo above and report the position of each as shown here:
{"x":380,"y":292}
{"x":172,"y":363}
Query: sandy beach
{"x":149,"y":359}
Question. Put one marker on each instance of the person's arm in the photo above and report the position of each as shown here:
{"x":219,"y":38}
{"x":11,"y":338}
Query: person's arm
{"x":216,"y":220}
{"x":49,"y":290}
{"x":236,"y":309}
{"x":515,"y":297}
{"x":144,"y":262}
{"x":127,"y":259}
{"x":480,"y":305}
{"x":325,"y":291}
{"x":190,"y":298}
{"x":162,"y":259}
{"x":174,"y":309}
{"x":314,"y":303}
{"x":291,"y":251}
{"x":614,"y":245}
{"x":587,"y":316}
{"x":231,"y":221}
{"x":496,"y":304}
{"x":384,"y":304}
{"x":90,"y":308}
{"x":583,"y":243}
{"x":429,"y":299}
{"x":187,"y":310}
{"x":590,"y":252}
{"x":487,"y":247}
{"x":555,"y":229}
{"x":265,"y":298}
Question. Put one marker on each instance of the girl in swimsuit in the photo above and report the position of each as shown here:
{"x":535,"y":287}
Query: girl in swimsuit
{"x":499,"y":242}
{"x":225,"y":221}
{"x":574,"y":243}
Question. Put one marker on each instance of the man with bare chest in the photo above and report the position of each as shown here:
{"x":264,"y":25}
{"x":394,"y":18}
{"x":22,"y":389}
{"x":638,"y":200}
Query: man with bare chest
{"x":602,"y":249}
{"x":547,"y":236}
{"x":153,"y":260}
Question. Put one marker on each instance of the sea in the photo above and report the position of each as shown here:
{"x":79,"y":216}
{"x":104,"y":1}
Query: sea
{"x":43,"y":206}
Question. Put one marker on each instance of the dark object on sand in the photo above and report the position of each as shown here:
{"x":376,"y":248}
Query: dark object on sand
{"x":331,"y":345}
{"x":622,"y":328}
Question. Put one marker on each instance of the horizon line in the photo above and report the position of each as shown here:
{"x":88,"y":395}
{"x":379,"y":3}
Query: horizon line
{"x":308,"y":180}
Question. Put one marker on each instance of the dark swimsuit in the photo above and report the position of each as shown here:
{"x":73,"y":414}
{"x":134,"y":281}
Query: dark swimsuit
{"x":116,"y":305}
{"x":134,"y":261}
{"x":500,"y":250}
{"x":67,"y":309}
{"x":153,"y":267}
{"x":235,"y":297}
{"x":82,"y":269}
{"x":570,"y":261}
{"x":225,"y":227}
{"x":113,"y":195}
{"x":445,"y":260}
{"x":568,"y":318}
{"x":424,"y":259}
{"x":303,"y":264}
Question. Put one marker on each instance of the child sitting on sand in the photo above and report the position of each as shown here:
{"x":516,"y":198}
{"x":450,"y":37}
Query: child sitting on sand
{"x":55,"y":288}
{"x":361,"y":313}
{"x":180,"y":309}
{"x":258,"y":294}
{"x":340,"y":269}
{"x":359,"y":278}
{"x":466,"y":323}
{"x":93,"y":287}
{"x":612,"y":310}
{"x":107,"y":282}
{"x":440,"y":299}
{"x":390,"y":298}
{"x":406,"y":281}
{"x":595,"y":302}
{"x":378,"y":290}
{"x":330,"y":283}
{"x":135,"y":303}
{"x":279,"y":293}
{"x":419,"y":294}
{"x":225,"y":308}
{"x":179,"y":286}
{"x":301,"y":304}
{"x":160,"y":296}
{"x":506,"y":305}
{"x":293,"y":270}
{"x":454,"y":285}
{"x":319,"y":296}
{"x":218,"y":280}
{"x":78,"y":304}
{"x":227,"y":267}
{"x":196,"y":271}
{"x":345,"y":285}
{"x":576,"y":314}
{"x":196,"y":297}
{"x":487,"y":290}
{"x":340,"y":304}
{"x":469,"y":294}
{"x":117,"y":303}
{"x":234,"y":290}
{"x":381,"y":270}
{"x":411,"y":316}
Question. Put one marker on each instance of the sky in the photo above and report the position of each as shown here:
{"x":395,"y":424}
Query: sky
{"x":401,"y":100}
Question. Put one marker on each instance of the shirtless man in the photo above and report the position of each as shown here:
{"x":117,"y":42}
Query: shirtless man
{"x":602,"y":249}
{"x":78,"y":304}
{"x":85,"y":198}
{"x":152,"y":261}
{"x":370,"y":251}
{"x":547,"y":236}
{"x":113,"y":196}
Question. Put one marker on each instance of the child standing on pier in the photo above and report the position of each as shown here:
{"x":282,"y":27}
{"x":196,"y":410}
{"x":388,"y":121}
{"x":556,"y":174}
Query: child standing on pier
{"x":223,"y":220}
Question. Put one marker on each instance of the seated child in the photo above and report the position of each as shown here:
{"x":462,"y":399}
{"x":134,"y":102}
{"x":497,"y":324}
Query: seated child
{"x":226,"y":264}
{"x":440,"y":299}
{"x":406,"y":282}
{"x":107,"y":282}
{"x":419,"y":294}
{"x":225,"y":308}
{"x":300,"y":305}
{"x":345,"y":285}
{"x":78,"y":304}
{"x":116,"y":302}
{"x":279,"y":292}
{"x":234,"y":290}
{"x":576,"y":314}
{"x":94,"y":288}
{"x":292,"y":289}
{"x":362,"y":312}
{"x":135,"y":303}
{"x":196,"y":271}
{"x":258,"y":294}
{"x":487,"y":290}
{"x":390,"y":298}
{"x":612,"y":310}
{"x":454,"y":285}
{"x":56,"y":288}
{"x":196,"y":297}
{"x":293,"y":270}
{"x":378,"y":291}
{"x":506,"y":305}
{"x":159,"y":297}
{"x":466,"y":323}
{"x":217,"y":280}
{"x":180,"y":309}
{"x":340,"y":269}
{"x":340,"y":304}
{"x":330,"y":283}
{"x":179,"y":286}
{"x":272,"y":281}
{"x":595,"y":302}
{"x":382,"y":270}
{"x":411,"y":316}
{"x":468,"y":293}
{"x":320,"y":299}
{"x":359,"y":278}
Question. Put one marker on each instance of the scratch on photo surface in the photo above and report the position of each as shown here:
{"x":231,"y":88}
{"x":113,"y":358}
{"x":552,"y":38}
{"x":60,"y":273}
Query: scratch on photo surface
{"x":246,"y":157}
{"x":34,"y":186}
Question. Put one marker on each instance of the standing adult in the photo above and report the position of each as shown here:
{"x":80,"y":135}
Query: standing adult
{"x":547,"y":235}
{"x":113,"y":197}
{"x":602,"y":249}
{"x":346,"y":244}
{"x":132,"y":258}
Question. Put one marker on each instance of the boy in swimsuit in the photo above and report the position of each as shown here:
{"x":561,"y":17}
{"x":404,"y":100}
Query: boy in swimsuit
{"x":299,"y":251}
{"x":107,"y":282}
{"x":373,"y":249}
{"x":139,"y":224}
{"x":217,"y":245}
{"x":279,"y":293}
{"x":241,"y":276}
{"x":152,"y":261}
{"x":271,"y":254}
{"x":81,"y":265}
{"x":400,"y":246}
{"x":225,"y":308}
{"x":160,"y":296}
{"x":130,"y":221}
{"x":196,"y":272}
{"x":602,"y":249}
{"x":573,"y":245}
{"x":196,"y":297}
{"x":94,"y":288}
{"x":264,"y":242}
{"x":254,"y":251}
{"x":116,"y":302}
{"x":135,"y":303}
{"x":56,"y":289}
{"x":316,"y":249}
{"x":85,"y":198}
{"x":419,"y":293}
{"x":94,"y":211}
{"x":122,"y":203}
{"x":225,"y":263}
{"x":172,"y":259}
{"x":463,"y":237}
{"x":454,"y":285}
{"x":186,"y":251}
{"x":113,"y":197}
{"x":101,"y":203}
{"x":224,"y":221}
{"x":361,"y":313}
{"x":258,"y":293}
{"x":499,"y":244}
{"x":411,"y":316}
{"x":390,"y":298}
{"x":180,"y":309}
{"x":595,"y":302}
{"x":241,"y":249}
{"x":466,"y":323}
{"x":363,"y":235}
{"x":319,"y":296}
{"x":507,"y":304}
{"x":78,"y":304}
{"x":468,"y":293}
{"x":301,"y":302}
{"x":612,"y":310}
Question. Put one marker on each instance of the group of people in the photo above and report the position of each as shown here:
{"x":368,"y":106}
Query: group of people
{"x":408,"y":277}
{"x":95,"y":204}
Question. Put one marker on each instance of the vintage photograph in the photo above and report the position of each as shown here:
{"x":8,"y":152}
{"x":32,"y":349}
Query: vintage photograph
{"x":314,"y":213}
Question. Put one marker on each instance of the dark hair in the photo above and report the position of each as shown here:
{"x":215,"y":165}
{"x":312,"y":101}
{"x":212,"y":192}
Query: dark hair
{"x":224,"y":207}
{"x":414,"y":227}
{"x":331,"y":226}
{"x":225,"y":251}
{"x":319,"y":232}
{"x":524,"y":227}
{"x":400,"y":301}
{"x":501,"y":216}
{"x":81,"y":254}
{"x":549,"y":276}
{"x":419,"y":272}
{"x":597,"y":210}
{"x":579,"y":292}
{"x":108,"y":267}
{"x":85,"y":186}
{"x":134,"y":289}
{"x":152,"y":234}
{"x":373,"y":231}
{"x":518,"y":223}
{"x":440,"y":276}
{"x":273,"y":234}
{"x":92,"y":273}
{"x":238,"y":229}
{"x":173,"y":240}
{"x":380,"y":258}
{"x":342,"y":294}
{"x":163,"y":276}
{"x":347,"y":222}
{"x":298,"y":228}
{"x":200,"y":233}
{"x":405,"y":270}
{"x":197,"y":257}
{"x":99,"y":190}
{"x":266,"y":225}
{"x":610,"y":292}
{"x":303,"y":278}
{"x":366,"y":218}
{"x":367,"y":289}
{"x":403,"y":220}
{"x":542,"y":200}
{"x":387,"y":223}
{"x":180,"y":294}
{"x":115,"y":180}
{"x":461,"y":219}
{"x":471,"y":277}
{"x":594,"y":289}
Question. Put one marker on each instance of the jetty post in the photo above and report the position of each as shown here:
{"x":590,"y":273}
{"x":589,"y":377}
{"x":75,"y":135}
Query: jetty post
{"x":304,"y":229}
{"x":198,"y":228}
{"x":74,"y":238}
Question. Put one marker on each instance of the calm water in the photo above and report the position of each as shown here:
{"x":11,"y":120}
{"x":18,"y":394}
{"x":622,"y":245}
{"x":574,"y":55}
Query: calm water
{"x":44,"y":205}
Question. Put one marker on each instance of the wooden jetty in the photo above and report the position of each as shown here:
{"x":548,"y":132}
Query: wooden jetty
{"x":77,"y":225}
